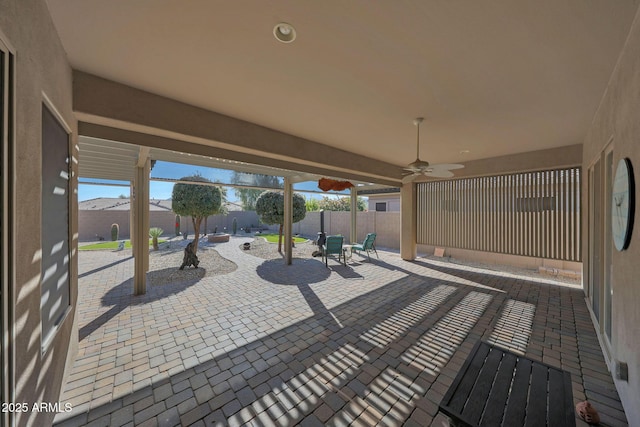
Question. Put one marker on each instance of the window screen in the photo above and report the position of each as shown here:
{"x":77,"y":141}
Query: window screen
{"x":55,"y":224}
{"x":381,"y":207}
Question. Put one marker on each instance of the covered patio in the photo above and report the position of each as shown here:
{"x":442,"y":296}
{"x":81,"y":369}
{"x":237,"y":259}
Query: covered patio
{"x":370,"y":343}
{"x":539,"y":102}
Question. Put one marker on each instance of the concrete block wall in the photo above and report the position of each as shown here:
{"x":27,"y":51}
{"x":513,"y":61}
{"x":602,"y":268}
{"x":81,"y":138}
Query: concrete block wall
{"x":98,"y":223}
{"x":244,"y":219}
{"x":385,"y":224}
{"x":92,"y":223}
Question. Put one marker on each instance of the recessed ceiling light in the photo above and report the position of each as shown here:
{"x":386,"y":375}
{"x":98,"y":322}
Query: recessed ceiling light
{"x":464,"y":151}
{"x":284,"y":32}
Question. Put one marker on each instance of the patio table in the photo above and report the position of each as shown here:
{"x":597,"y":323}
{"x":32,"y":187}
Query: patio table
{"x":496,"y":387}
{"x":345,"y":249}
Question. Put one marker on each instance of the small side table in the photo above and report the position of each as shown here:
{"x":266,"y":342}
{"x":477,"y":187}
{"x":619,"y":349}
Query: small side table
{"x":345,"y":249}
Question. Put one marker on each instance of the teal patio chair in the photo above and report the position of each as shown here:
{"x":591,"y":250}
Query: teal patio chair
{"x":332,"y":246}
{"x":367,"y":245}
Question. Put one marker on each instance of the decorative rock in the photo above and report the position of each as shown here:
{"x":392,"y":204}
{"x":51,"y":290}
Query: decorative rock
{"x":218,"y":238}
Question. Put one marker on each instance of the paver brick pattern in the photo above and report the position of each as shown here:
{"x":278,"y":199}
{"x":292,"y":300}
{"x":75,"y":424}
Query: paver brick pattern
{"x":372,"y":343}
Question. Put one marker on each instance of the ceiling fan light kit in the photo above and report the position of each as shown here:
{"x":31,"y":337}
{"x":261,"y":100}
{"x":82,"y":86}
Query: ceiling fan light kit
{"x":422,"y":167}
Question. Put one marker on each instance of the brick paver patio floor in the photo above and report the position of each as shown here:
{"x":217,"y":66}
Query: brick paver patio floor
{"x":373,"y":343}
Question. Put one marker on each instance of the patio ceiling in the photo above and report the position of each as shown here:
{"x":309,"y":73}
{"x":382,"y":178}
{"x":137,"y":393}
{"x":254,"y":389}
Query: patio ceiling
{"x":492,"y":78}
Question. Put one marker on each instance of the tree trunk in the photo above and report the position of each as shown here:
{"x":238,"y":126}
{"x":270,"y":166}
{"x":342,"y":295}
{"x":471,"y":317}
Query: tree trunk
{"x":154,"y":240}
{"x":280,"y":239}
{"x":196,"y":232}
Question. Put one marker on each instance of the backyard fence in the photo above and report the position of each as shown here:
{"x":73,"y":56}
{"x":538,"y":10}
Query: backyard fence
{"x":93,"y":224}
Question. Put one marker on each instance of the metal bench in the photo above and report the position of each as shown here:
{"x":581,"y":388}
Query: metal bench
{"x":496,"y":387}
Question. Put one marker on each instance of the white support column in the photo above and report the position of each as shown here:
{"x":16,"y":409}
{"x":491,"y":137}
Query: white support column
{"x":408,"y":222}
{"x":288,"y":220}
{"x":353,"y":235}
{"x":141,"y":227}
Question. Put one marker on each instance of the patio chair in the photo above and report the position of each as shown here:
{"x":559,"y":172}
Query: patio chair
{"x":367,"y":245}
{"x":333,"y":246}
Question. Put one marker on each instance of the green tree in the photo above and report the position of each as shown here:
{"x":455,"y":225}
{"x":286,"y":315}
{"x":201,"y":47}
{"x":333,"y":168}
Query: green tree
{"x":196,"y":201}
{"x":270,"y":208}
{"x":340,"y":204}
{"x":312,"y":205}
{"x":248,"y":196}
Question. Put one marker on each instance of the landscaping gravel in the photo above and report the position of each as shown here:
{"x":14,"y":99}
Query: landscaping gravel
{"x":164,"y":264}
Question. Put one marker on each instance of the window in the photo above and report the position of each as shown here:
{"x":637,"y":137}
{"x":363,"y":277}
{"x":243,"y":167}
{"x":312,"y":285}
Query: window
{"x":55,"y":225}
{"x":381,"y":206}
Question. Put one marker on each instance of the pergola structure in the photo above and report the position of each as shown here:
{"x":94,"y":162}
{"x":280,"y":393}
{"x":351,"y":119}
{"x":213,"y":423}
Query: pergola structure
{"x":112,"y":160}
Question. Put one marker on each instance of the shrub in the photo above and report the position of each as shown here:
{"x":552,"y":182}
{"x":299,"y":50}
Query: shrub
{"x":270,"y":208}
{"x":197,"y":201}
{"x":154,"y":233}
{"x":115,"y":232}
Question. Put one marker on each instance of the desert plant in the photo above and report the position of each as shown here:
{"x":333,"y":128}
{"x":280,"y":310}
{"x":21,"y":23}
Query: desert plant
{"x":177,"y":225}
{"x":154,"y":233}
{"x":234,"y":226}
{"x":115,"y":232}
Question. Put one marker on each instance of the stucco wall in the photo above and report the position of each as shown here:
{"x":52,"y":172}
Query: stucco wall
{"x":618,"y":117}
{"x":40,"y":68}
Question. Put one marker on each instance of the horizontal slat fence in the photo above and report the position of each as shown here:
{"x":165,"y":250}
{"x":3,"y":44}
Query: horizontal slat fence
{"x":535,"y":214}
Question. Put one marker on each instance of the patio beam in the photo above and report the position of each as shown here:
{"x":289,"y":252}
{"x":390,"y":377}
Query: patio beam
{"x":104,"y":102}
{"x":100,"y":131}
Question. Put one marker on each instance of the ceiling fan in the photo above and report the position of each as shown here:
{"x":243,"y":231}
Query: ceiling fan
{"x":423,"y":168}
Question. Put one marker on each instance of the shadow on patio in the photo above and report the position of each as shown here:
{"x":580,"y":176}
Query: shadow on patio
{"x":337,"y":350}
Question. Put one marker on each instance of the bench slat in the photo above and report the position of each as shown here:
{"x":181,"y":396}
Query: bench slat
{"x":474,"y":407}
{"x":463,"y":389}
{"x":556,"y":399}
{"x":500,"y":392}
{"x":537,"y":407}
{"x":514,"y":415}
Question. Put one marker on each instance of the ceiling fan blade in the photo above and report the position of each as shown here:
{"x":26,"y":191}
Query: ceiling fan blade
{"x":439,"y":173}
{"x":446,"y":166}
{"x":410,"y":178}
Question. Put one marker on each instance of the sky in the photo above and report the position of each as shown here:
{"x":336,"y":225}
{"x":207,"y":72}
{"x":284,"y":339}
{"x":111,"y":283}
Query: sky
{"x":162,"y":190}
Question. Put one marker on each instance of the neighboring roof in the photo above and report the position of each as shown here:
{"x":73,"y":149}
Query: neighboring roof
{"x":123,"y":204}
{"x":120,"y":204}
